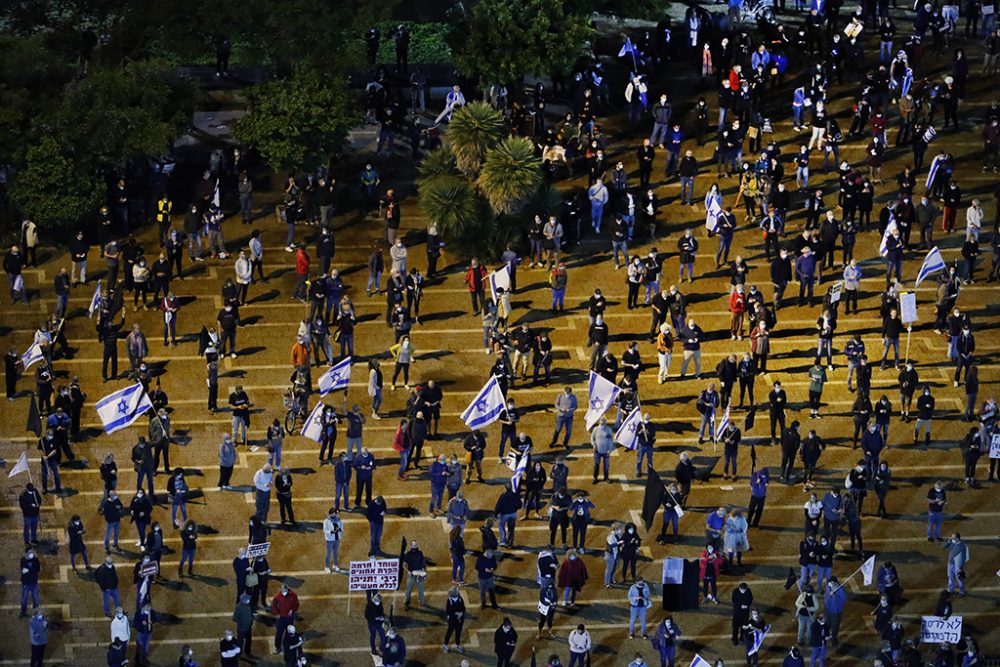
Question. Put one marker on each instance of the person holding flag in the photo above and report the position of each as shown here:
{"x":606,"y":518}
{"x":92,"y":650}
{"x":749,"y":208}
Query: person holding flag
{"x":486,"y":407}
{"x":122,"y":408}
{"x":602,"y":395}
{"x":754,"y":631}
{"x":336,"y":377}
{"x":933,"y":263}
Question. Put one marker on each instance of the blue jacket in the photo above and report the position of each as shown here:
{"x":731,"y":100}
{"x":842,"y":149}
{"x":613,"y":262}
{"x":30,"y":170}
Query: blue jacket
{"x":805,"y":266}
{"x":342,"y":472}
{"x":834,"y":603}
{"x":364,"y":464}
{"x":439,"y":474}
{"x":758,"y":483}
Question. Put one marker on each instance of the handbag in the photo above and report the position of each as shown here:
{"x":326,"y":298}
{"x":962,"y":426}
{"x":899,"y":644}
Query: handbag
{"x":543,"y":609}
{"x":252,"y":580}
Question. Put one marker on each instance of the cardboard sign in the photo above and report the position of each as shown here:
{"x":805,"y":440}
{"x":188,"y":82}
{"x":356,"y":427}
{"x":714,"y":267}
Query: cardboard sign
{"x":937,"y":630}
{"x":673,"y":570}
{"x":150,"y":569}
{"x":995,"y":446}
{"x":908,"y":307}
{"x":373,"y":575}
{"x":258,"y":550}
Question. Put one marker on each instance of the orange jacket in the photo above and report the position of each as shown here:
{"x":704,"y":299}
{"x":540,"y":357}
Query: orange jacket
{"x":300,"y":355}
{"x":470,"y":277}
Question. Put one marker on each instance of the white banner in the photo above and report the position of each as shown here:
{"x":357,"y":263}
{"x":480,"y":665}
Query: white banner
{"x":937,"y":629}
{"x":995,"y":446}
{"x":908,"y":307}
{"x":373,"y":575}
{"x":258,"y":550}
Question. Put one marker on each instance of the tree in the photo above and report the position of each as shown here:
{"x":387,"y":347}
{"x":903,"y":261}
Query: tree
{"x":298,"y":122}
{"x":473,"y":129}
{"x":499,"y":41}
{"x":51,"y":190}
{"x":510,"y":175}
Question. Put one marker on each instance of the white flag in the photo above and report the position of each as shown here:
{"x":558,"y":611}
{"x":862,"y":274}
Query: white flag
{"x":602,"y":396}
{"x":20,"y":466}
{"x":337,"y":377}
{"x":868,"y":570}
{"x":499,"y":278}
{"x":120,"y":409}
{"x":628,"y":433}
{"x":313,"y":426}
{"x":95,"y":301}
{"x":486,"y":407}
{"x":32,"y":355}
{"x":933,"y":262}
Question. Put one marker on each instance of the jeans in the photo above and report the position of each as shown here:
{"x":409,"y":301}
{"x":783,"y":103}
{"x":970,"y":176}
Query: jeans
{"x":377,"y":400}
{"x":822,"y":576}
{"x":609,"y":568}
{"x":952,"y":579}
{"x":508,"y":522}
{"x":178,"y":505}
{"x":111,"y":594}
{"x":332,"y":553}
{"x":633,"y":613}
{"x":53,"y":467}
{"x":194,"y":242}
{"x":187,"y":556}
{"x":457,"y":568}
{"x":687,"y":189}
{"x":644,"y":453}
{"x":598,"y":458}
{"x":374,"y":281}
{"x":596,"y":213}
{"x":934,"y":524}
{"x":274,"y":456}
{"x":290,"y":236}
{"x":487,"y":585}
{"x":342,"y":490}
{"x":30,"y":529}
{"x":112,"y":529}
{"x":825,"y":345}
{"x":620,"y":246}
{"x":437,"y":496}
{"x":818,"y":657}
{"x":262,"y":503}
{"x":563,"y":420}
{"x":239,"y":426}
{"x":376,"y":538}
{"x":353,"y":443}
{"x":707,"y":424}
{"x":80,"y":267}
{"x":806,"y":574}
{"x":411,"y":583}
{"x":26,"y":591}
{"x":890,"y":343}
{"x":558,"y":297}
{"x":885,"y":51}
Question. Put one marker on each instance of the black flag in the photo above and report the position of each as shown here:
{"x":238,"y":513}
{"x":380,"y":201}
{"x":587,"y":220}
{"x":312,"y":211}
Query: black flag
{"x":203,"y":340}
{"x":533,"y":662}
{"x":748,"y":422}
{"x":653,"y":498}
{"x":34,"y":418}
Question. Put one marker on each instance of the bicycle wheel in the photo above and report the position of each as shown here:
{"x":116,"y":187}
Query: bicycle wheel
{"x":291,"y":421}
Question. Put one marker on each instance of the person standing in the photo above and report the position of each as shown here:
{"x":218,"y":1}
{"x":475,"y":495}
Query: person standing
{"x":38,"y":637}
{"x":283,"y":489}
{"x":263,"y":480}
{"x":639,"y":600}
{"x":375,"y":514}
{"x":243,"y":616}
{"x":580,"y":644}
{"x":742,"y":598}
{"x":505,"y":643}
{"x":333,"y":531}
{"x":475,"y":282}
{"x":106,"y":577}
{"x":665,"y":641}
{"x":30,"y":502}
{"x":565,"y":406}
{"x":143,"y":624}
{"x":284,"y":606}
{"x":455,"y":616}
{"x":958,"y":556}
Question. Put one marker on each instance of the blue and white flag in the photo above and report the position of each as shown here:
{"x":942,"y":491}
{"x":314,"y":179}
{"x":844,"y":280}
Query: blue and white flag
{"x":32,"y":355}
{"x":337,"y":377}
{"x":628,"y":433}
{"x":499,"y":278}
{"x":601,"y":397}
{"x":723,"y":423}
{"x":699,"y":662}
{"x":486,"y":407}
{"x":758,"y":639}
{"x":95,"y":301}
{"x":883,"y":246}
{"x":120,"y":409}
{"x":313,"y":426}
{"x":933,"y":263}
{"x":628,"y":48}
{"x":519,"y":469}
{"x":933,"y":170}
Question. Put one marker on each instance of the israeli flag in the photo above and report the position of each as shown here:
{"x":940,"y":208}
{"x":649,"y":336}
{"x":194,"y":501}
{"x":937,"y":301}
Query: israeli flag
{"x":882,"y":247}
{"x":499,"y":278}
{"x":699,"y":662}
{"x":933,"y":170}
{"x":95,"y":301}
{"x":758,"y":639}
{"x":522,"y":466}
{"x":602,"y":396}
{"x":933,"y":263}
{"x":313,"y":426}
{"x":628,"y":433}
{"x":723,"y":423}
{"x":31,"y":355}
{"x":337,"y":377}
{"x":486,"y":407}
{"x":628,"y":48}
{"x":120,"y":409}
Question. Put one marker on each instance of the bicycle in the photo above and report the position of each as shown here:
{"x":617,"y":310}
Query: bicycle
{"x":295,"y":415}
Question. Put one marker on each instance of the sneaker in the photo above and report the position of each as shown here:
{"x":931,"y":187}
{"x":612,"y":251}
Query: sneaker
{"x":289,"y":248}
{"x":328,"y":570}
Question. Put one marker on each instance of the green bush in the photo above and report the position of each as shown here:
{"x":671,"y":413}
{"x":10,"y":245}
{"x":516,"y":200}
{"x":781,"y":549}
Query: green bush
{"x":427,"y":43}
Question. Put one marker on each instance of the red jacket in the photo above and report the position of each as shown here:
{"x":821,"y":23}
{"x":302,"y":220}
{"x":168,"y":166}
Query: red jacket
{"x":399,"y":440}
{"x":734,"y":80}
{"x":737,"y":303}
{"x":285,"y":605}
{"x":301,"y":262}
{"x":707,"y":560}
{"x":470,"y":277}
{"x":572,"y":574}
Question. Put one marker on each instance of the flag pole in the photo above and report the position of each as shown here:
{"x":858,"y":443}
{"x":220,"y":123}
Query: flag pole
{"x":906,"y":355}
{"x":851,"y":576}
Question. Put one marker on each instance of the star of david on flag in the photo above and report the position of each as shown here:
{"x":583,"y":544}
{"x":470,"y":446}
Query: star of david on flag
{"x":32,"y":355}
{"x":601,"y":397}
{"x":120,"y":409}
{"x":486,"y":407}
{"x":312,"y":428}
{"x":337,"y":377}
{"x":628,"y":433}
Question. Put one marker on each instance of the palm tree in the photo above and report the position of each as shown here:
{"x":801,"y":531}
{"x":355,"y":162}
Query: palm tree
{"x":452,"y":202}
{"x":438,"y":162}
{"x":510,"y":175}
{"x":473,"y":130}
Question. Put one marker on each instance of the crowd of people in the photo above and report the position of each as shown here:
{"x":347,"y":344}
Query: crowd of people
{"x":799,"y":54}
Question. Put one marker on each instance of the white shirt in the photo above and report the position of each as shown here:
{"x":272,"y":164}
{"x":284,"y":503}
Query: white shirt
{"x":262,"y":480}
{"x":333,"y":529}
{"x":120,"y":628}
{"x":579,"y":642}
